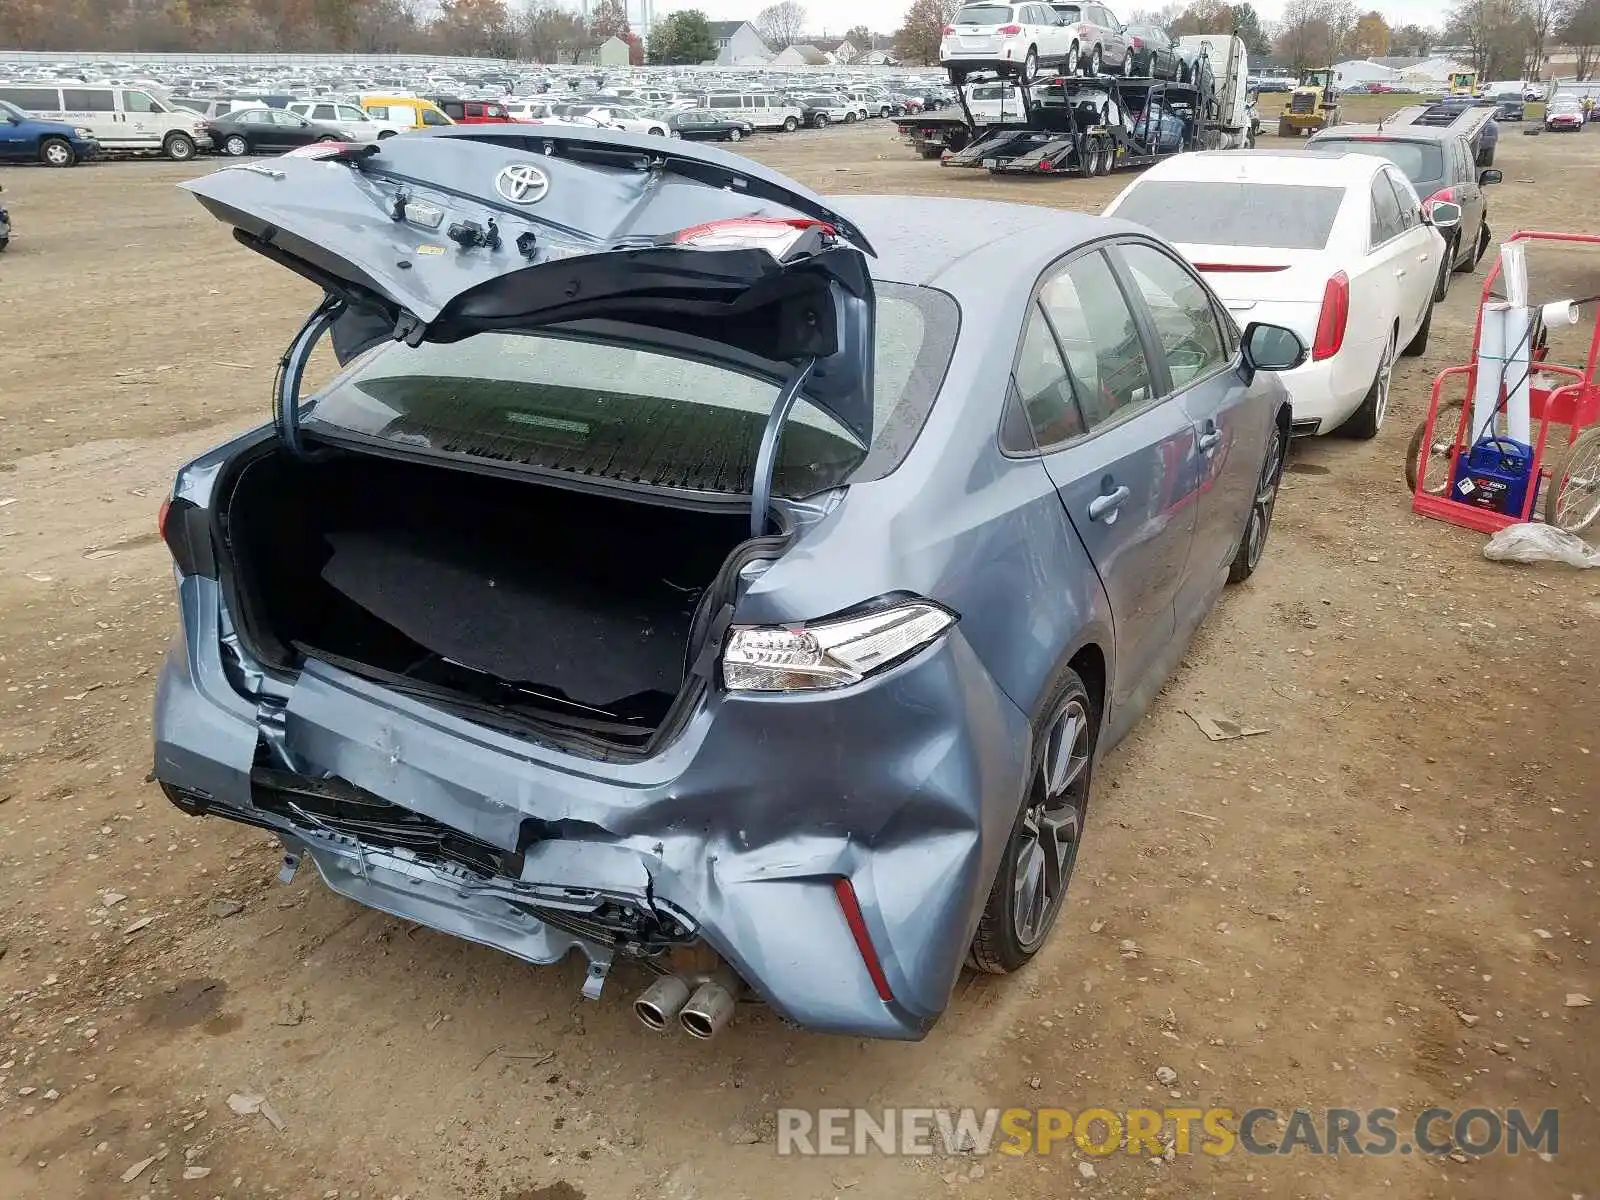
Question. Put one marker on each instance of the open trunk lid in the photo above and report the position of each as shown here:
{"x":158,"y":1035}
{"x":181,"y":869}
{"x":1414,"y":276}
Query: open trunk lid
{"x":439,"y":237}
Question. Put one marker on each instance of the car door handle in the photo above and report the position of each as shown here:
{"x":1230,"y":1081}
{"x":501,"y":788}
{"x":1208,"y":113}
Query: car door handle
{"x":1423,"y":257}
{"x":1399,"y":272}
{"x":1105,"y":507}
{"x":1210,"y":440}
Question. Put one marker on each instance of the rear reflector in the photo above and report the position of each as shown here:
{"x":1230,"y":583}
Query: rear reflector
{"x":1242,"y":268}
{"x":851,"y":907}
{"x":1332,"y":319}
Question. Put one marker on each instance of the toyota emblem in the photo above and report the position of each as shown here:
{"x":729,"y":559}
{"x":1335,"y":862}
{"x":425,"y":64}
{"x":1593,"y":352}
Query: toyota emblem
{"x":522,"y":183}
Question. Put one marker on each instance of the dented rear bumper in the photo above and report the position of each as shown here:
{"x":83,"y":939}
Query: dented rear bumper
{"x":733,"y":835}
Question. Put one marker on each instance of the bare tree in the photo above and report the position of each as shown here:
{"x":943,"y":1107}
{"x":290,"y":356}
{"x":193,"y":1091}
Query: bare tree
{"x":781,"y":24}
{"x":1544,"y":18}
{"x":1581,"y":31}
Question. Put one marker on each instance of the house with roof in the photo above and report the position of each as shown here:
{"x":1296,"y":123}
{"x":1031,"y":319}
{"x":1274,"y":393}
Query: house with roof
{"x":838,"y":50}
{"x":738,"y":43}
{"x":798,"y":56}
{"x":1362,"y":71}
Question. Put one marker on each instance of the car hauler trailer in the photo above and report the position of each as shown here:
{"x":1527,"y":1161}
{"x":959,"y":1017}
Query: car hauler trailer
{"x":1092,"y":125}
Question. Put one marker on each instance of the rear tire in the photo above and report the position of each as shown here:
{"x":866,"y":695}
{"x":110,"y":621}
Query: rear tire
{"x":57,"y":152}
{"x":386,"y":133}
{"x":1365,"y":422}
{"x":1030,"y":886}
{"x":820,"y":121}
{"x":235,"y":146}
{"x":1096,"y":63}
{"x":1030,"y":65}
{"x":1254,"y":542}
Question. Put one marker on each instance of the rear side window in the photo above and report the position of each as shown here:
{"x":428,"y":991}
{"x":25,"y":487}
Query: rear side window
{"x":87,"y":100}
{"x":984,"y":14}
{"x":724,"y":102}
{"x":1099,"y":338}
{"x":32,"y":99}
{"x":1422,"y":162}
{"x":377,"y":112}
{"x":618,"y":411}
{"x":1277,"y":215}
{"x":1041,"y":411}
{"x":1385,"y":217}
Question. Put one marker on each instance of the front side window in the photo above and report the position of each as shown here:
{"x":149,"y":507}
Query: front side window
{"x":1406,"y":197}
{"x":1100,"y":339}
{"x":138,"y":102}
{"x":632,"y":412}
{"x":1181,"y":309}
{"x":349,"y":112}
{"x":434,"y":117}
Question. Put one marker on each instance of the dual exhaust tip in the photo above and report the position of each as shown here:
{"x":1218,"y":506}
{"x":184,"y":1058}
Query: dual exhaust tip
{"x":702,"y":1012}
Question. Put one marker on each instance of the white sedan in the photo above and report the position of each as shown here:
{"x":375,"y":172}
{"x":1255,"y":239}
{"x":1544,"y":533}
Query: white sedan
{"x":618,"y":117}
{"x":1335,"y":247}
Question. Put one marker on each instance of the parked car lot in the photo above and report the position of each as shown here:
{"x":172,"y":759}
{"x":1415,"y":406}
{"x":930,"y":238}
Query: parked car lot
{"x":1318,"y":928}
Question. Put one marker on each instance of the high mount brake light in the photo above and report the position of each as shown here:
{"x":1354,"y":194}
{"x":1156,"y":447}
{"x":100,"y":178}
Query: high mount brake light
{"x":776,"y":235}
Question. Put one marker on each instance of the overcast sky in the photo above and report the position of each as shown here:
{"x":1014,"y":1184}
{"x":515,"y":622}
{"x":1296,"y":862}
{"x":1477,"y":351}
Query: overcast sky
{"x":884,"y":16}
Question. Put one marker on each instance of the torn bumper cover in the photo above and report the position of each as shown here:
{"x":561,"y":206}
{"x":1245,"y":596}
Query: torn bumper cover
{"x":499,"y":840}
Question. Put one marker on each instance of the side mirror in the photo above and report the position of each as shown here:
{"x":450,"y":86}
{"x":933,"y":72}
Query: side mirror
{"x":1444,"y":215}
{"x":1271,"y":348}
{"x":1492,"y":175}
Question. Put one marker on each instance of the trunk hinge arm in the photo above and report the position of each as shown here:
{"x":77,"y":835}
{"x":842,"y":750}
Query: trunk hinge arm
{"x":767,"y":455}
{"x":292,"y":371}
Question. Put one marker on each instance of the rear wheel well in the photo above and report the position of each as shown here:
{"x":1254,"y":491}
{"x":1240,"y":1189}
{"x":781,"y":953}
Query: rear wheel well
{"x":1090,"y":664}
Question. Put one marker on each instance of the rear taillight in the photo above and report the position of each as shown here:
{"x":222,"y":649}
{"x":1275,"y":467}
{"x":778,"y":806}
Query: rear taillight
{"x":1010,"y":30}
{"x":1138,"y":43}
{"x":1333,"y":318}
{"x":1445,"y":195}
{"x":186,"y":529}
{"x":1241,"y":268}
{"x":948,"y":30}
{"x":776,"y":235}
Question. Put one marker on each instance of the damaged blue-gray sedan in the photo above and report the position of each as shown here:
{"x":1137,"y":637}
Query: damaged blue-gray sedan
{"x":692,"y":572}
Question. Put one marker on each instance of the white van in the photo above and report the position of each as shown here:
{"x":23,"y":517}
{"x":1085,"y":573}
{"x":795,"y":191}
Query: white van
{"x":762,"y":109}
{"x":120,"y":118}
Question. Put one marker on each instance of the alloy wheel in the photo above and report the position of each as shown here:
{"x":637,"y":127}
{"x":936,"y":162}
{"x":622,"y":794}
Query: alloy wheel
{"x":57,"y":154}
{"x":1030,"y":67}
{"x":1382,"y":383}
{"x":1095,"y":62}
{"x":236,"y":146}
{"x":1266,"y":500}
{"x":1046,"y":845}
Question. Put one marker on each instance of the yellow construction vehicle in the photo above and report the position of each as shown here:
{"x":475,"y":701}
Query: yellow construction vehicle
{"x":1313,"y":105}
{"x":1463,"y":83}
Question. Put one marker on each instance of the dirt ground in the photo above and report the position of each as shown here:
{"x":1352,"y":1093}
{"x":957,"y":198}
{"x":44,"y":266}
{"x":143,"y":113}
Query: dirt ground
{"x":1384,"y":900}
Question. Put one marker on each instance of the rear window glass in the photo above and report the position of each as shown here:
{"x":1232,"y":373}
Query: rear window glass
{"x":984,"y":14}
{"x":1422,"y":162}
{"x":1280,"y":216}
{"x":613,"y":411}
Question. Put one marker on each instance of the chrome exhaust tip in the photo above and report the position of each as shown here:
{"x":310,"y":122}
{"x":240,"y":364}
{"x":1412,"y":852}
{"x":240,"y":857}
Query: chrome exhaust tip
{"x":710,"y":1008}
{"x":661,"y":1001}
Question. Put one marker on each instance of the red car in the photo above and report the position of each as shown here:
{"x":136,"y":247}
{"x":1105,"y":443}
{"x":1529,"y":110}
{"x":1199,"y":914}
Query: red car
{"x":1563,"y":116}
{"x":473,"y":112}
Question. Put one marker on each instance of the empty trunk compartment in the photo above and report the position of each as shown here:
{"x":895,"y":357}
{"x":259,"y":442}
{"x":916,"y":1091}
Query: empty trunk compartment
{"x":569,"y":608}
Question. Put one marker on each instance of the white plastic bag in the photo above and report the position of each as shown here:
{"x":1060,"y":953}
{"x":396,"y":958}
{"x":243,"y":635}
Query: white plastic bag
{"x":1534,"y":542}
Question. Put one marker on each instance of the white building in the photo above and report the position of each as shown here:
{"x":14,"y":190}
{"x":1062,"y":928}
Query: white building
{"x":738,"y":43}
{"x":1362,"y":70}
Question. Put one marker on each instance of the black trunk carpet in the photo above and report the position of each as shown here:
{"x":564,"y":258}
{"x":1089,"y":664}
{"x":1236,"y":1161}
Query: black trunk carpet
{"x":597,"y":638}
